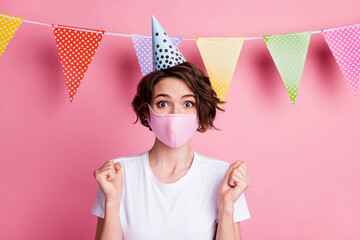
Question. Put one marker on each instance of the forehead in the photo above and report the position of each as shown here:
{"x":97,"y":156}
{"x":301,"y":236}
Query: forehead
{"x":172,"y":86}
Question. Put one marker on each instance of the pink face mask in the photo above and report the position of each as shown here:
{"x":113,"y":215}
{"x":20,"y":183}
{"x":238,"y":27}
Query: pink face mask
{"x":173,"y":129}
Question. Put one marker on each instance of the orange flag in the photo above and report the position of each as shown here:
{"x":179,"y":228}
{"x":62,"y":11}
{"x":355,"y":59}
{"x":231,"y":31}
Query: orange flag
{"x":8,"y":26}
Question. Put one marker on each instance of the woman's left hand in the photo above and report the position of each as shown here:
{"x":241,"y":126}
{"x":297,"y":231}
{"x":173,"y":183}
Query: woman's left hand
{"x":234,"y":184}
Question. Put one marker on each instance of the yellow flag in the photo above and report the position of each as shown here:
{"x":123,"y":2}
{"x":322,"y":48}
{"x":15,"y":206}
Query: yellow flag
{"x":220,"y":56}
{"x":8,"y":26}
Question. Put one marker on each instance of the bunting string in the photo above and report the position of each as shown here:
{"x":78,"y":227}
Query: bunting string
{"x":129,"y":35}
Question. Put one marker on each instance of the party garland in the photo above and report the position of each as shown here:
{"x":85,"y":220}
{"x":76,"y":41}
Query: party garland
{"x":77,"y":46}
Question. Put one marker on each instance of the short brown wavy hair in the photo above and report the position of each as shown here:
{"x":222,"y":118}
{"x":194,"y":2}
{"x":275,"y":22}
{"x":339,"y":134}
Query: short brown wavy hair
{"x":206,"y":98}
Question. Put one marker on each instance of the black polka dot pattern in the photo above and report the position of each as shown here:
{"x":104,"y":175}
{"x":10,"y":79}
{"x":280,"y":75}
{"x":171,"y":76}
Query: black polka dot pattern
{"x":164,"y":47}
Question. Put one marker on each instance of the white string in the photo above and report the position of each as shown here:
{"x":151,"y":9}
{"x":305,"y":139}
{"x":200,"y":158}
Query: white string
{"x":84,"y":30}
{"x":37,"y":23}
{"x":189,"y":39}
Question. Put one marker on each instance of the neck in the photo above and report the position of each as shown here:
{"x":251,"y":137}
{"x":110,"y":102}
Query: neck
{"x":171,"y":159}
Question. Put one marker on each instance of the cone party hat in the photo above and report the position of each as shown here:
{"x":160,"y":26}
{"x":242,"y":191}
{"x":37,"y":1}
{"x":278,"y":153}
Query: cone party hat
{"x":165,"y":53}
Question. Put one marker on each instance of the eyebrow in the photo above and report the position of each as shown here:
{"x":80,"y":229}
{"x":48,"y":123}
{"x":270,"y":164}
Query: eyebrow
{"x":166,"y":95}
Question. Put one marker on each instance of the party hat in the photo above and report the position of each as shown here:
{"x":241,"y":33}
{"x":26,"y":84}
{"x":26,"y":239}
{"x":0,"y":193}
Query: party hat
{"x":165,"y":53}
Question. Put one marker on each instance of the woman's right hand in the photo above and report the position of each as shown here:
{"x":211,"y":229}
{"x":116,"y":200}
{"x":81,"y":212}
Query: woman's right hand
{"x":110,"y":179}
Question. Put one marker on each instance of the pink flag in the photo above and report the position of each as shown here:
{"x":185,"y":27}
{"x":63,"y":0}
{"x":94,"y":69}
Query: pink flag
{"x":344,"y":43}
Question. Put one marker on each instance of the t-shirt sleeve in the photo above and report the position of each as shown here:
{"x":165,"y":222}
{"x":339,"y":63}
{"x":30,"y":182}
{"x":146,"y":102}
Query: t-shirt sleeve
{"x":241,"y":211}
{"x":98,"y":208}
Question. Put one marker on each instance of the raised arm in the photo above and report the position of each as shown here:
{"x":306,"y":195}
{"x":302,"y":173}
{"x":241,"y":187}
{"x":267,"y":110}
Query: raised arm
{"x":234,"y":184}
{"x":110,"y":179}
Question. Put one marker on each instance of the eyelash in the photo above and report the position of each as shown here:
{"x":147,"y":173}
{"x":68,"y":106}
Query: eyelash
{"x":158,"y":104}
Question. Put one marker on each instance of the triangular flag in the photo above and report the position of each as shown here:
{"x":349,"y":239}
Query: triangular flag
{"x":143,"y":48}
{"x":220,"y":55}
{"x":76,"y":47}
{"x":344,"y":43}
{"x":289,"y":54}
{"x":8,"y":26}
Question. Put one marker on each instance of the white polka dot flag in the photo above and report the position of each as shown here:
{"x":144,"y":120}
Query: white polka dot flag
{"x":144,"y":51}
{"x":76,"y":47}
{"x":289,"y":54}
{"x":8,"y":26}
{"x":344,"y":44}
{"x":220,"y":56}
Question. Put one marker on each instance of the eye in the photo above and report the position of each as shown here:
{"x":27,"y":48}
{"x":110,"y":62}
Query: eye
{"x":161,"y":104}
{"x":189,"y":104}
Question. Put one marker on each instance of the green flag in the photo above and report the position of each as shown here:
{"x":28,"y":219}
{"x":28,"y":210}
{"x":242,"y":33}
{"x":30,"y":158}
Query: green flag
{"x":289,"y":53}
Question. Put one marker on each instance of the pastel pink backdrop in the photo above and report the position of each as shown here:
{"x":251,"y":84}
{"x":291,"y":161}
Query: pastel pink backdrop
{"x":303,"y":160}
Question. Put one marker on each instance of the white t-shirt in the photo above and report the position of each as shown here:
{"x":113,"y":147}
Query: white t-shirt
{"x":185,"y":209}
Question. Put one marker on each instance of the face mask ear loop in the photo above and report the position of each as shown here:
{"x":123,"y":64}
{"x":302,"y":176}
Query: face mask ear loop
{"x":148,"y":105}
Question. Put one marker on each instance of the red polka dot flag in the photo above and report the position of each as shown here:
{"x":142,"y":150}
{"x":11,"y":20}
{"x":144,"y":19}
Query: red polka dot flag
{"x":76,"y":47}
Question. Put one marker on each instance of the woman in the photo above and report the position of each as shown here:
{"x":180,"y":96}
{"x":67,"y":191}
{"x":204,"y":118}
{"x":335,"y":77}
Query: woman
{"x":170,"y":191}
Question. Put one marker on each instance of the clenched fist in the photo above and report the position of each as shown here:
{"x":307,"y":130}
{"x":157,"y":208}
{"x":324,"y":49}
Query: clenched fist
{"x":234,"y":184}
{"x":110,"y":179}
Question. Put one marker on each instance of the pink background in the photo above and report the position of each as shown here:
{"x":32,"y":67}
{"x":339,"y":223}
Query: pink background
{"x":303,"y":160}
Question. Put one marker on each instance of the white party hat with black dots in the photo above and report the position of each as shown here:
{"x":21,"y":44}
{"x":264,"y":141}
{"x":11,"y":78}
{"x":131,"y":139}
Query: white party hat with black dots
{"x":165,"y":53}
